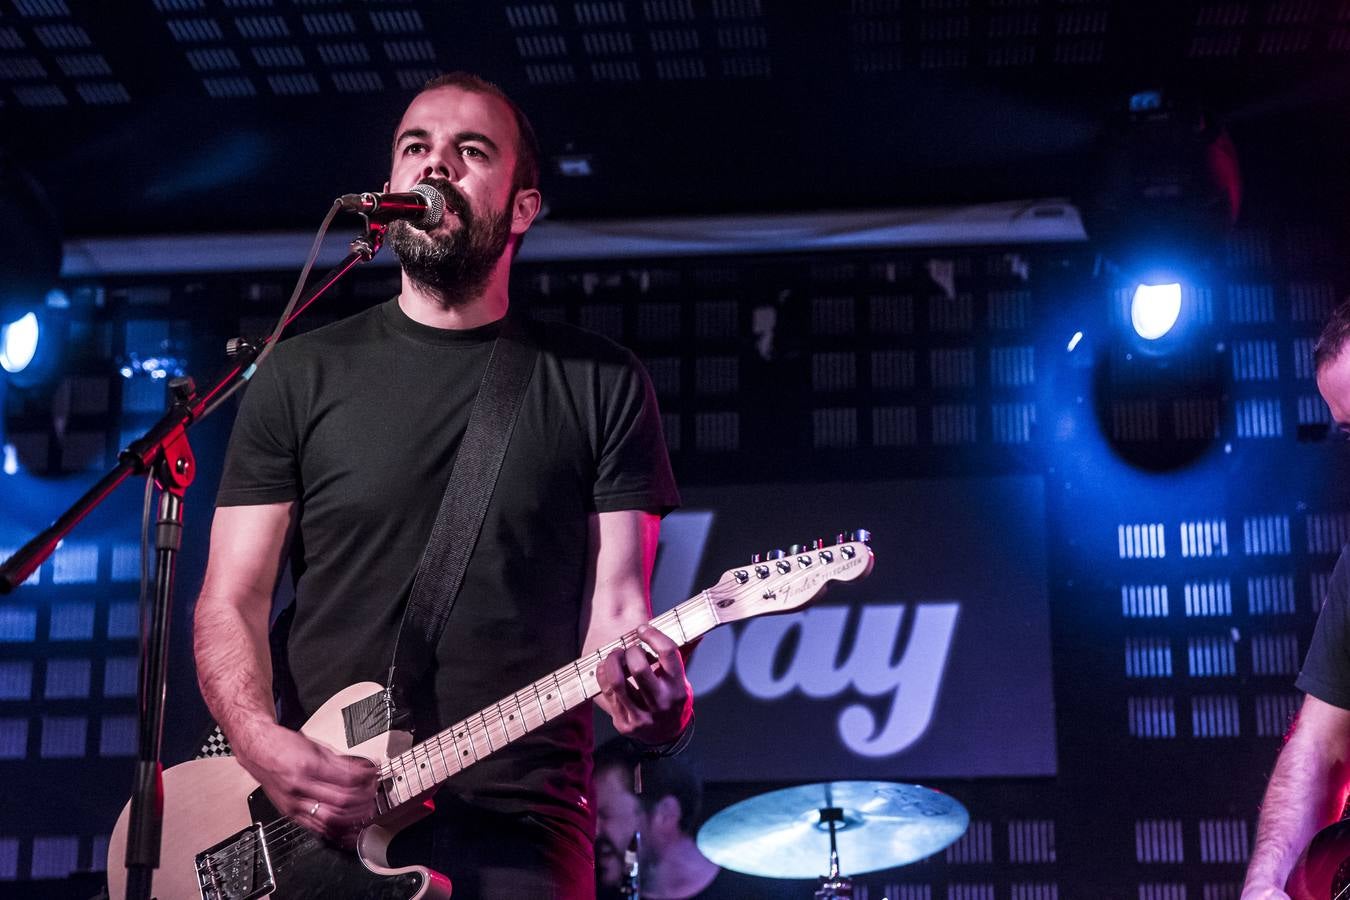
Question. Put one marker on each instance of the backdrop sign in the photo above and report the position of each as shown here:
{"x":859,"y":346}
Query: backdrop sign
{"x":936,"y":666}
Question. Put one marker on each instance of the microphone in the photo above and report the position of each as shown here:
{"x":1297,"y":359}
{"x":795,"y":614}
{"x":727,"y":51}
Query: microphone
{"x":423,"y":206}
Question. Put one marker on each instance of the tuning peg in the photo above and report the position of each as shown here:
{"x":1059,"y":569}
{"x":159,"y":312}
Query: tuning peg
{"x":862,"y":536}
{"x":775,"y":554}
{"x":840,"y":538}
{"x":817,"y":543}
{"x":755,"y":558}
{"x":795,"y":549}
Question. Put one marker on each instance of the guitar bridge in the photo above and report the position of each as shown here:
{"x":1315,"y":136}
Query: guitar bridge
{"x":238,"y":868}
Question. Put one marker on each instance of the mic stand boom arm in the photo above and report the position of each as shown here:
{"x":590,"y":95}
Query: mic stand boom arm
{"x":165,"y":450}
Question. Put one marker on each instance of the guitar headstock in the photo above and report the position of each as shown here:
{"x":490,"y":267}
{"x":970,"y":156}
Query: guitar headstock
{"x":782,"y":582}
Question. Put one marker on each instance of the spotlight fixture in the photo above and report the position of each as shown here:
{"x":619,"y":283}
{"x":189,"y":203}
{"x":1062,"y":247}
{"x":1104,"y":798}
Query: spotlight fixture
{"x":1154,"y":309}
{"x":19,"y":343}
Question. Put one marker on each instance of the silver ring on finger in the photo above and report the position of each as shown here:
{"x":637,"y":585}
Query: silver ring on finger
{"x":314,"y":810}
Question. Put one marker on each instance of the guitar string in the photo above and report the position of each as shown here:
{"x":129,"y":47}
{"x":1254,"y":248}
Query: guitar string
{"x":284,"y":837}
{"x":285,"y":833}
{"x":282,"y":832}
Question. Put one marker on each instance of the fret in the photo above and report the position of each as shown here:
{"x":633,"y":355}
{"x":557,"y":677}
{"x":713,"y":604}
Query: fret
{"x":590,"y":681}
{"x":684,"y":635}
{"x":411,"y":775}
{"x":465,"y":751}
{"x":487,"y":731}
{"x":480,"y":734}
{"x":400,"y":787}
{"x":518,"y":717}
{"x":433,"y":752}
{"x":543,"y":713}
{"x":552,"y":700}
{"x":422,"y":761}
{"x":445,"y":763}
{"x":495,"y":712}
{"x":577,"y":686}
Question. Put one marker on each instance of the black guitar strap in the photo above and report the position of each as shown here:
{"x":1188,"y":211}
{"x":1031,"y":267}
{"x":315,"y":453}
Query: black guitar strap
{"x":453,"y":536}
{"x":459,"y":521}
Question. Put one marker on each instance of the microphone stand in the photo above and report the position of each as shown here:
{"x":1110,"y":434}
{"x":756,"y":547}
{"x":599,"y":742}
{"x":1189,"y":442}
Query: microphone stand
{"x":164,"y":449}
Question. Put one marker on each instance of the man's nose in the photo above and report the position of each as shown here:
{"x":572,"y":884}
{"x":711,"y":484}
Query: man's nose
{"x":440,"y":166}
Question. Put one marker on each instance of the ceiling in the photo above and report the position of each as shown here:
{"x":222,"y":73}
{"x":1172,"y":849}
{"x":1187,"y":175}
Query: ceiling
{"x":157,"y":116}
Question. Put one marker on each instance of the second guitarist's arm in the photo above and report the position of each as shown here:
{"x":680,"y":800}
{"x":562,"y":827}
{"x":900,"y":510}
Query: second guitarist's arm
{"x":1307,"y":791}
{"x":323,"y":790}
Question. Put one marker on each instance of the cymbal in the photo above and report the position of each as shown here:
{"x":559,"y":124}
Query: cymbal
{"x":879,"y":824}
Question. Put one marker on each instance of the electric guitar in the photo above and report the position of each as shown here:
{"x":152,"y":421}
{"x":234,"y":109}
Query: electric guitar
{"x":223,"y":839}
{"x":1323,"y":871}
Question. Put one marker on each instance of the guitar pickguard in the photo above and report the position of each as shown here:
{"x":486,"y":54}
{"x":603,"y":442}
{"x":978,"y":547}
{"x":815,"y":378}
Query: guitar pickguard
{"x":293,"y":863}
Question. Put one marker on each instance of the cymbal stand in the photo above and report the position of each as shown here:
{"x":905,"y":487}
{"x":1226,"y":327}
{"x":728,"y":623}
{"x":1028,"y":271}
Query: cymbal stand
{"x":834,"y":886}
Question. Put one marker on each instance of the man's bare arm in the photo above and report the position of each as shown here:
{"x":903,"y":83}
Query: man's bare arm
{"x":307,"y":782}
{"x":649,"y":700}
{"x":234,"y":668}
{"x":1306,"y":792}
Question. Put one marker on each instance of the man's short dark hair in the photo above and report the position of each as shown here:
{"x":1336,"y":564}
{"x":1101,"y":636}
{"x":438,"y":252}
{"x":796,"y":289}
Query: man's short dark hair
{"x":661,"y":778}
{"x":1334,"y":338}
{"x":526,"y":174}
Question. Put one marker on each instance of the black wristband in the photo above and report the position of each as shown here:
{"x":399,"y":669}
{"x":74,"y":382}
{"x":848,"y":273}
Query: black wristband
{"x":669,"y":748}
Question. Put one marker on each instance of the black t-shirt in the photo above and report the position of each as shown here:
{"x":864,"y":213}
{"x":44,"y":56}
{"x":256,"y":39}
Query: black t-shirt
{"x":359,"y":422}
{"x":1326,"y":671}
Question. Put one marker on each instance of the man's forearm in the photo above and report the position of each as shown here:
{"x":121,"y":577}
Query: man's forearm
{"x":234,"y":669}
{"x":1306,"y":792}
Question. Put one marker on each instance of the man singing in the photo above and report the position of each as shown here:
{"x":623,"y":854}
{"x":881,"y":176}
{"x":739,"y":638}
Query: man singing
{"x":338,"y":461}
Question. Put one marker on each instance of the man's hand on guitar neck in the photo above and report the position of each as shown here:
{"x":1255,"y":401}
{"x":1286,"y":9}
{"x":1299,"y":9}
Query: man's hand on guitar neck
{"x":1263,"y":892}
{"x":328,"y":793}
{"x":649,"y":700}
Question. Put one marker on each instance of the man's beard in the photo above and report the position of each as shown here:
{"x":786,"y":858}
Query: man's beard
{"x":454,"y":265}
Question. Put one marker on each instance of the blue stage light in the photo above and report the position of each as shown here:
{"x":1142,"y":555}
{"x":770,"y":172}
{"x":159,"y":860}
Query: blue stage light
{"x":19,"y":343}
{"x":1155,"y":309}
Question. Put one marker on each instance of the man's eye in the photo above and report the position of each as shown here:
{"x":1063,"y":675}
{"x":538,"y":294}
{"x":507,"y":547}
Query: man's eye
{"x":414,"y":148}
{"x":473,"y":152}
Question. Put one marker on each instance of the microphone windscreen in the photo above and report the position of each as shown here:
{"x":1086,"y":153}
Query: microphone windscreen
{"x":435,"y":206}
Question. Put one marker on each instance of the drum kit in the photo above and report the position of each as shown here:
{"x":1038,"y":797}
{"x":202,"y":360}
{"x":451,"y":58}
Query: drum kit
{"x":862,"y":825}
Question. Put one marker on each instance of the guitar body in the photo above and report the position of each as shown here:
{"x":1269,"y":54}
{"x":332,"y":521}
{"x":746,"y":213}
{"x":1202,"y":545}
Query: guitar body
{"x":223,"y":840}
{"x":1323,"y":871}
{"x":209,"y":801}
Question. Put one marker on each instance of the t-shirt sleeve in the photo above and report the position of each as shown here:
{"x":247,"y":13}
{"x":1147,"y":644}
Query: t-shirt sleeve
{"x":1326,"y":671}
{"x":261,"y":461}
{"x":633,"y":471}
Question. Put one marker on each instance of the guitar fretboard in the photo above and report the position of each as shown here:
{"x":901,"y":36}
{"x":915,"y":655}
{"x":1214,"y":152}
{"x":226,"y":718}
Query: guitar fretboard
{"x":424,"y":767}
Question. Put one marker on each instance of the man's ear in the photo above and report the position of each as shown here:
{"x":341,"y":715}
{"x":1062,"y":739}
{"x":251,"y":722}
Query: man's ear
{"x":666,"y":812}
{"x":524,"y":207}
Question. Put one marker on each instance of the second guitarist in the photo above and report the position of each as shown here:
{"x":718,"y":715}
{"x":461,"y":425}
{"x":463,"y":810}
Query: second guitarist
{"x":1308,"y":788}
{"x":342,"y":448}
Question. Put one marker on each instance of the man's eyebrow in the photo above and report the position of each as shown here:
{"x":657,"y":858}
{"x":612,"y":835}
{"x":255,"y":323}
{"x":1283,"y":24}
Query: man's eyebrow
{"x":419,"y":133}
{"x":479,"y":137}
{"x":423,"y":135}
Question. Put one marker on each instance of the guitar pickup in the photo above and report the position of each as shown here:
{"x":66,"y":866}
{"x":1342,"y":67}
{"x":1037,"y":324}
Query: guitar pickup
{"x":238,"y":868}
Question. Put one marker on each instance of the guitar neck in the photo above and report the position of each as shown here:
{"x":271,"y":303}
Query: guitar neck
{"x":422,"y":769}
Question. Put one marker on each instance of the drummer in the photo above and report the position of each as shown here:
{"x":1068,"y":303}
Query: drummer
{"x":670,"y":866}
